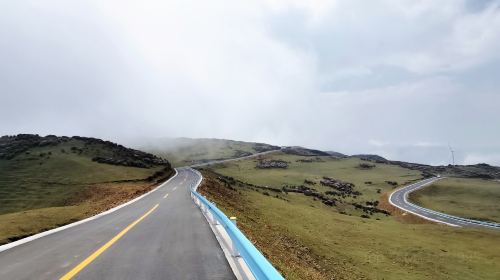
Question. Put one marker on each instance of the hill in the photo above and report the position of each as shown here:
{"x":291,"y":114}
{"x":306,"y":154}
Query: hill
{"x":375,"y":158}
{"x":49,"y":181}
{"x":480,"y":171}
{"x":301,"y":151}
{"x":336,"y":154}
{"x":188,"y":151}
{"x":321,"y":217}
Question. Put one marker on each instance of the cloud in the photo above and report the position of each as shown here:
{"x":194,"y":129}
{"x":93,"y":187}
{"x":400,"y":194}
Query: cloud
{"x":481,"y":158}
{"x":324,"y":74}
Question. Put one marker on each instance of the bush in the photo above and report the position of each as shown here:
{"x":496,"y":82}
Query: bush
{"x":366,"y":166}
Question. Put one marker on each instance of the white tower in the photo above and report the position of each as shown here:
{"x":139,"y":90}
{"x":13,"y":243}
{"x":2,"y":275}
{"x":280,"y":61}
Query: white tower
{"x":452,"y":155}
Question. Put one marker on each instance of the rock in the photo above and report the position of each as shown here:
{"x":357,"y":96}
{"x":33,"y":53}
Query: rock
{"x":344,"y":188}
{"x":366,"y":166}
{"x":264,"y":164}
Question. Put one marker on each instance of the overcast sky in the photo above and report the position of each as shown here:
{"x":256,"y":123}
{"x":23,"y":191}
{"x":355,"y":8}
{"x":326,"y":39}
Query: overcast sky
{"x":398,"y":78}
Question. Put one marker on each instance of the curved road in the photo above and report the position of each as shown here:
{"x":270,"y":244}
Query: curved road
{"x":161,"y":236}
{"x":399,"y":198}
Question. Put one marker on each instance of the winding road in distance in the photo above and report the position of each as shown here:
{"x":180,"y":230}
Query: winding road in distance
{"x":399,"y":199}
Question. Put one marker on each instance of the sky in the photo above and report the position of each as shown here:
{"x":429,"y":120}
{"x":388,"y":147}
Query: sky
{"x":400,"y":78}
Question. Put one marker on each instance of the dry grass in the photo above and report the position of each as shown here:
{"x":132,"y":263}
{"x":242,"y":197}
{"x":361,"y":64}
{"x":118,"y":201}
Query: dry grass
{"x":287,"y":254}
{"x":304,"y":239}
{"x":95,"y":199}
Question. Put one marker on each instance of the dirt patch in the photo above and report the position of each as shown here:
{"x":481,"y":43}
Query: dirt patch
{"x":90,"y":201}
{"x":102,"y":197}
{"x":399,"y":214}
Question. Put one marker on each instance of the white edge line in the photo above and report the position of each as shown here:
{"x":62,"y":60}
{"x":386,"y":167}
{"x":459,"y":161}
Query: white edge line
{"x":460,"y":220}
{"x":420,"y":215}
{"x":48,"y":232}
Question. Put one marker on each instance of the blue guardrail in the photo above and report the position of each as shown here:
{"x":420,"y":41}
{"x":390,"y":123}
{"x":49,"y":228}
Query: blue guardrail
{"x":261,"y":268}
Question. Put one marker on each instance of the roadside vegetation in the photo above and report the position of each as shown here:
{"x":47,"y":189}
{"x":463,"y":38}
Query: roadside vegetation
{"x":187,"y":151}
{"x":469,"y":198}
{"x":49,"y":182}
{"x":306,"y":238}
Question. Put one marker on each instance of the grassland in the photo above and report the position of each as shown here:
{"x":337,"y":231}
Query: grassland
{"x":469,"y":198}
{"x":49,"y":186}
{"x":372,"y":183}
{"x":187,"y":151}
{"x":306,"y":239}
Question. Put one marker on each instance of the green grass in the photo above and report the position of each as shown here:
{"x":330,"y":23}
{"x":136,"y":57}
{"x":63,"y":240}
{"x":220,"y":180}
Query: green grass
{"x":186,"y":151}
{"x":469,"y":198}
{"x":46,"y":187}
{"x":29,"y":181}
{"x":344,"y":169}
{"x":306,"y":239}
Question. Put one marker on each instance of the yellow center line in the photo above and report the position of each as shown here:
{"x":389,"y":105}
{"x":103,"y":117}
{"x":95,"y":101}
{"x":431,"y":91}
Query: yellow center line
{"x":99,"y":251}
{"x":165,"y":196}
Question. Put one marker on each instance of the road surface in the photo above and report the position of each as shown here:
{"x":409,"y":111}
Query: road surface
{"x":161,"y":236}
{"x":399,"y":198}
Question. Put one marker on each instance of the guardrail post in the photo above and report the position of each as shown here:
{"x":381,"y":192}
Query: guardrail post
{"x":234,"y":250}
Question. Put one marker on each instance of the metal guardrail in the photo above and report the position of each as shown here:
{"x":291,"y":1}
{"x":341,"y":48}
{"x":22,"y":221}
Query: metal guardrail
{"x":440,"y":214}
{"x":456,"y":218}
{"x":260,"y":267}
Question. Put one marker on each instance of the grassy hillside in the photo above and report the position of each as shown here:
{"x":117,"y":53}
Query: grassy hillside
{"x":187,"y":151}
{"x":49,"y":181}
{"x":308,"y":239}
{"x":469,"y":198}
{"x":308,"y":171}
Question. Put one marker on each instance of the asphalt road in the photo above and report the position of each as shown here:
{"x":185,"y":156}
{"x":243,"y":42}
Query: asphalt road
{"x":161,"y":236}
{"x":399,"y":198}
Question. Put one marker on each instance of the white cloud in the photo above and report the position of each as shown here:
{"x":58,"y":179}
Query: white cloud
{"x":482,"y":158}
{"x":377,"y":143}
{"x":325,"y":74}
{"x":426,"y":144}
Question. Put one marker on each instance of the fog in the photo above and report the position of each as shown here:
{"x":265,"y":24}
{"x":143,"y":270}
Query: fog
{"x":402,"y":79}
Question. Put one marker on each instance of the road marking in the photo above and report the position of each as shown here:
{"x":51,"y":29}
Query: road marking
{"x":422,"y":183}
{"x":165,"y":196}
{"x":49,"y":232}
{"x":99,"y":251}
{"x":174,"y":188}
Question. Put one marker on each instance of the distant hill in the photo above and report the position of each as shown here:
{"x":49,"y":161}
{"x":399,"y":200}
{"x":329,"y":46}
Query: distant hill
{"x":189,"y":151}
{"x":301,"y":151}
{"x":50,"y":181}
{"x":482,"y":170}
{"x":99,"y":150}
{"x":336,"y":154}
{"x":369,"y":157}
